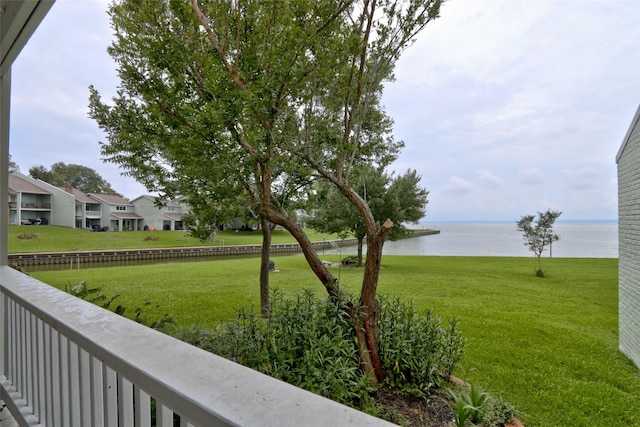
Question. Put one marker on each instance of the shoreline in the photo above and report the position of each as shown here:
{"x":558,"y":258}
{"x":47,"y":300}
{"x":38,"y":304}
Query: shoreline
{"x":74,"y":259}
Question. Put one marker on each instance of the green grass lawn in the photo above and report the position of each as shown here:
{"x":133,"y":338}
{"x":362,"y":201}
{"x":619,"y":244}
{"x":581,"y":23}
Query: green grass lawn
{"x":50,"y":238}
{"x":549,"y":346}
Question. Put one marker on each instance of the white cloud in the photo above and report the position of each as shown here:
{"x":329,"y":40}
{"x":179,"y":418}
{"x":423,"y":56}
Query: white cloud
{"x":531,"y":176}
{"x":456,"y":185}
{"x":489,"y":179}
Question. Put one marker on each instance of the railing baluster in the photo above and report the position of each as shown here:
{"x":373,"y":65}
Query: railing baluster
{"x":30,"y":362}
{"x":74,"y":385}
{"x":11,"y":346}
{"x":41,"y":408}
{"x":56,"y":382}
{"x":164,"y":415}
{"x":63,"y":367}
{"x":125,"y":402}
{"x":142,"y":402}
{"x":47,"y":395}
{"x":4,"y":334}
{"x":97,"y":393}
{"x":110,"y":397}
{"x":84,"y":399}
{"x":20,"y":357}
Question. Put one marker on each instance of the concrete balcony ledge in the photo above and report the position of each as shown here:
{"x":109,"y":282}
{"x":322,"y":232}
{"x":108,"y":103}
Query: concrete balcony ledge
{"x":48,"y":329}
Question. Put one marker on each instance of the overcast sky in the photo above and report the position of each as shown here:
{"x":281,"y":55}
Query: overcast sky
{"x":507,"y":107}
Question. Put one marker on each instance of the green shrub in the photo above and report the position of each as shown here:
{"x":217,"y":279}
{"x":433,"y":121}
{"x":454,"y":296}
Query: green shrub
{"x":309,"y":343}
{"x":305,"y":342}
{"x":497,"y":412}
{"x":350,"y":260}
{"x":480,"y":408}
{"x":415,"y":348}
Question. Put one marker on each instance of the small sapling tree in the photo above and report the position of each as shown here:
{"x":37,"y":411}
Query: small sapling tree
{"x":538,"y":233}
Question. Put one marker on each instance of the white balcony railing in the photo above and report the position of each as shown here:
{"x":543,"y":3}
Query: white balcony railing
{"x":68,"y":363}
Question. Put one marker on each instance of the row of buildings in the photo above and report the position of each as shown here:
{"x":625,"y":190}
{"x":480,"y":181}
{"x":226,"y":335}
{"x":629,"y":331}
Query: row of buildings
{"x":33,"y":201}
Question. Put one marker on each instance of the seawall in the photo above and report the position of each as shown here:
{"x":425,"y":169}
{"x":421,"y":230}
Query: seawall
{"x":72,"y":258}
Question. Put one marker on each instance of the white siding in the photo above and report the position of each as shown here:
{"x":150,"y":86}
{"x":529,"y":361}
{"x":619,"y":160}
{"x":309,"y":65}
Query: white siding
{"x":629,"y":241}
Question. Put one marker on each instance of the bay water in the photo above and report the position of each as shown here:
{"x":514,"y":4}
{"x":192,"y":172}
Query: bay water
{"x":578,"y":239}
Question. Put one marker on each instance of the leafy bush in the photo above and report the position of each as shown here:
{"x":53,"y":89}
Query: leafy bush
{"x":350,"y":260}
{"x":305,"y":342}
{"x":415,"y":348}
{"x":309,"y":343}
{"x":497,"y":412}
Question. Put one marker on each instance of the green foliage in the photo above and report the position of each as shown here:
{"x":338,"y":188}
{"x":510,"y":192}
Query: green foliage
{"x":460,"y":412}
{"x":537,"y":237}
{"x":475,"y":405}
{"x":416,"y":348}
{"x":497,"y":412}
{"x":306,"y":342}
{"x":81,"y":178}
{"x":399,"y":198}
{"x":309,"y":343}
{"x":13,"y":166}
{"x":95,"y":296}
{"x":475,"y":402}
{"x":349,"y":260}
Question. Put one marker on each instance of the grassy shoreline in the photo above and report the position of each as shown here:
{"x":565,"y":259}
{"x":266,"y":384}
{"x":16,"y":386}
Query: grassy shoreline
{"x":30,"y":239}
{"x":549,"y":346}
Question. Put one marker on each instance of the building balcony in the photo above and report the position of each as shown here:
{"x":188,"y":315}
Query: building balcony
{"x":31,"y":205}
{"x":68,"y":363}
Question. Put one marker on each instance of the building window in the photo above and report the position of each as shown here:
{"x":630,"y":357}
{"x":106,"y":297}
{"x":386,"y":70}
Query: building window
{"x":121,"y":208}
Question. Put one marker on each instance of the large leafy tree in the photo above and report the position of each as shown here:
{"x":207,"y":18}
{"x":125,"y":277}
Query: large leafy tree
{"x":399,"y":198}
{"x":80,"y":177}
{"x":262,"y":93}
{"x":13,"y":166}
{"x":537,"y":233}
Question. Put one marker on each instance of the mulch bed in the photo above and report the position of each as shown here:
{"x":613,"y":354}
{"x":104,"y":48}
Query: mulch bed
{"x":401,"y":407}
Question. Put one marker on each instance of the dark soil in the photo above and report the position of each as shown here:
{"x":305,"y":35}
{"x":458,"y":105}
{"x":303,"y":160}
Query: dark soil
{"x":409,"y":410}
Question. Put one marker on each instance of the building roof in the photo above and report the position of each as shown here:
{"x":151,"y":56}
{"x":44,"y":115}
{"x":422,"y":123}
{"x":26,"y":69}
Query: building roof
{"x":173,"y":216}
{"x":155,"y":199}
{"x":79,"y":195}
{"x":126,"y":215}
{"x":635,"y":122}
{"x":110,"y":199}
{"x":20,"y":185}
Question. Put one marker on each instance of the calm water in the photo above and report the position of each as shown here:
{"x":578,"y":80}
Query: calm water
{"x":577,"y":240}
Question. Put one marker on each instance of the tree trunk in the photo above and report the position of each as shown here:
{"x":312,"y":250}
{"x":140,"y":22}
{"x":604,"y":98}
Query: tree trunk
{"x":360,"y":245}
{"x":367,"y":318}
{"x":317,"y":266}
{"x":265,"y":305}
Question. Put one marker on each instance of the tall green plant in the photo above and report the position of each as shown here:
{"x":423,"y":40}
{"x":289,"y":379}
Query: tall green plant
{"x":417,"y":348}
